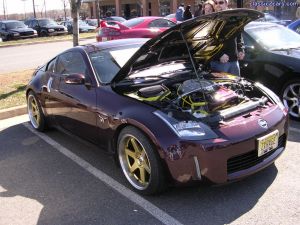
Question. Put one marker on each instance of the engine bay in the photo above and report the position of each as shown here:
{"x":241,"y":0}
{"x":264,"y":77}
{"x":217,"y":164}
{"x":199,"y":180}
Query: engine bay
{"x":213,"y":98}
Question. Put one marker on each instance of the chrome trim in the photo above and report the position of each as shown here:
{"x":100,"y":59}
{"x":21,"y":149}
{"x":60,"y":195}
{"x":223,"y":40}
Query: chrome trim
{"x":197,"y":166}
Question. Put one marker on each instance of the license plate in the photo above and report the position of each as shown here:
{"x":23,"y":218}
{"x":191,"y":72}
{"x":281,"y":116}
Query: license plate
{"x":267,"y":143}
{"x":104,"y":38}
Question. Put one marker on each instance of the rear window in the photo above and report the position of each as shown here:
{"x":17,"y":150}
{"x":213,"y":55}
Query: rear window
{"x":133,"y":22}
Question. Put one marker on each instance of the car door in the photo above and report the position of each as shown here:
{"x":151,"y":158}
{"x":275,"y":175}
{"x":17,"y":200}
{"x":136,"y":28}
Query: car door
{"x":74,"y":105}
{"x":3,"y":31}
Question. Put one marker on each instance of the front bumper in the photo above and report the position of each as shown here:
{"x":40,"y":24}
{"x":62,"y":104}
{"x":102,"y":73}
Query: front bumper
{"x":223,"y":160}
{"x":57,"y":33}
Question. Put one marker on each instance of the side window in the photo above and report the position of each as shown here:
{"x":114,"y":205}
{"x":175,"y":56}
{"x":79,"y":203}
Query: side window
{"x":161,"y":23}
{"x":3,"y":26}
{"x":34,"y":23}
{"x":71,"y":62}
{"x":51,"y":66}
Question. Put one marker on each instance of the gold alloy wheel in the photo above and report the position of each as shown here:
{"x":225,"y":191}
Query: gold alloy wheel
{"x":134,"y":162}
{"x":34,"y":112}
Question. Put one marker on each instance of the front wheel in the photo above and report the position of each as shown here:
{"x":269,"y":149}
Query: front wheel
{"x":140,"y":162}
{"x":35,"y":112}
{"x":291,"y":98}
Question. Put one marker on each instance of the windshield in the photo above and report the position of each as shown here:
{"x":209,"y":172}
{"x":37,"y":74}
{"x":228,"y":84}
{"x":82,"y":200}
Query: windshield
{"x":108,"y":62}
{"x":274,"y":37}
{"x":83,"y":23}
{"x":47,"y":22}
{"x":17,"y":24}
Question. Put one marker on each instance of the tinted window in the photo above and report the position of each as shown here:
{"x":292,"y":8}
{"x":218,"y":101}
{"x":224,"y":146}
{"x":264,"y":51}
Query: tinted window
{"x":3,"y":26}
{"x":47,"y":22}
{"x":161,"y":23}
{"x":108,"y":62}
{"x":133,"y":22}
{"x":34,"y":23}
{"x":70,"y":62}
{"x":15,"y":24}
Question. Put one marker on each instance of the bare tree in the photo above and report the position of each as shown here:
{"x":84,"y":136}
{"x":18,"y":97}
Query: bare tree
{"x":75,"y":6}
{"x":65,"y":7}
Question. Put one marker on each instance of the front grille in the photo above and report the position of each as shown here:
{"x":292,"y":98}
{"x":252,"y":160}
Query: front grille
{"x":27,"y":33}
{"x":249,"y":159}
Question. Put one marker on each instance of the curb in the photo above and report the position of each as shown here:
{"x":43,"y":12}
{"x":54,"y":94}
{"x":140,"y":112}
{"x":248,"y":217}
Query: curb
{"x":12,"y":112}
{"x":43,"y":42}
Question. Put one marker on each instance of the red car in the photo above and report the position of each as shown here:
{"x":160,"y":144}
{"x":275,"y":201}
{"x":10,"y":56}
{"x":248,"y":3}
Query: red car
{"x":140,"y":27}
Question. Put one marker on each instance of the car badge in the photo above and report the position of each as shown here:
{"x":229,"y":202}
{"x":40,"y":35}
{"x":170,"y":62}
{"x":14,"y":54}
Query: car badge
{"x":263,"y":123}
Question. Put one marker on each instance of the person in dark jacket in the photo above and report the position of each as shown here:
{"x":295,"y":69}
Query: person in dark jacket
{"x":179,"y":13}
{"x":187,"y":13}
{"x":198,"y":12}
{"x":227,"y":59}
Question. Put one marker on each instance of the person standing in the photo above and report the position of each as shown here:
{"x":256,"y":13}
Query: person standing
{"x":187,"y":13}
{"x":198,"y":12}
{"x":227,"y":59}
{"x":179,"y":13}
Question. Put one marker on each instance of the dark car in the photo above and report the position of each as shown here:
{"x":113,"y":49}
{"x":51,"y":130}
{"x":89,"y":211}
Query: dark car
{"x":83,"y":26}
{"x":14,"y":29}
{"x":273,"y":58}
{"x":46,"y":27}
{"x":155,"y":107}
{"x":295,"y":26}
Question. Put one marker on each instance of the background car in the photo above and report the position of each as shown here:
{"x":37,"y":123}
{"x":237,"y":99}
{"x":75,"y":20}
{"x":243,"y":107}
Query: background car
{"x":163,"y":119}
{"x":295,"y":26}
{"x":273,"y":58}
{"x":14,"y":29}
{"x":272,"y":19}
{"x":171,"y":17}
{"x":46,"y":27}
{"x":140,"y":27}
{"x":83,"y":26}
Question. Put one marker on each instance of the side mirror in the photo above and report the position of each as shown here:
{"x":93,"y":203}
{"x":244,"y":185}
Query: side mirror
{"x":75,"y":79}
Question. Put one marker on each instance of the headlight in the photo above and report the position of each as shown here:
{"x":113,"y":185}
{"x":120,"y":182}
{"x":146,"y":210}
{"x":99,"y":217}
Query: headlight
{"x":272,"y":95}
{"x":34,"y":32}
{"x":16,"y":34}
{"x":51,"y":30}
{"x":65,"y":29}
{"x":191,"y":130}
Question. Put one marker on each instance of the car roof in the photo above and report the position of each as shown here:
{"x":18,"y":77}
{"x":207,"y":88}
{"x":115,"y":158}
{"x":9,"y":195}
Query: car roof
{"x":9,"y":21}
{"x":112,"y":44}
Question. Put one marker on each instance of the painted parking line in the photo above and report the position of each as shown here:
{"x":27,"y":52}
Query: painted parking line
{"x":132,"y":196}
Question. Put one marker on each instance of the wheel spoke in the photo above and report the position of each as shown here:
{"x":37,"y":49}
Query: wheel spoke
{"x":133,"y":167}
{"x":292,"y":90}
{"x":146,"y":166}
{"x":135,"y":145}
{"x":128,"y":152}
{"x":142,"y":175}
{"x":290,"y":98}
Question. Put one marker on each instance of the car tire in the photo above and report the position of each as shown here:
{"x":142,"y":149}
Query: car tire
{"x":140,"y":162}
{"x":35,"y":112}
{"x":44,"y":34}
{"x":290,"y":95}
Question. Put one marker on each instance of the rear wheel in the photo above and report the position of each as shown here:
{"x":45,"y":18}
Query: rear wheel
{"x":291,"y":98}
{"x":35,"y":112}
{"x":140,"y":162}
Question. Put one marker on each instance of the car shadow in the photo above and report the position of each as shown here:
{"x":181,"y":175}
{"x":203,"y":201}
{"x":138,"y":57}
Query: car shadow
{"x":67,"y":193}
{"x":223,"y":204}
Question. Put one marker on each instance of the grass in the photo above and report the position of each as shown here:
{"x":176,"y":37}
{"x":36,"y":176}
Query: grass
{"x":12,"y":88}
{"x":46,"y":39}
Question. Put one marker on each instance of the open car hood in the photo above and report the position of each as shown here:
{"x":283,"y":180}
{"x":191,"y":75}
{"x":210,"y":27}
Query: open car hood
{"x":200,"y":38}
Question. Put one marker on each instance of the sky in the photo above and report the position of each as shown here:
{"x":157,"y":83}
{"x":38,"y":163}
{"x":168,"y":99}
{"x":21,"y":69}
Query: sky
{"x":18,"y":6}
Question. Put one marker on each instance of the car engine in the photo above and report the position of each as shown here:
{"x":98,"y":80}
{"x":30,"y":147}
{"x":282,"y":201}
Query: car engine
{"x":216,"y":97}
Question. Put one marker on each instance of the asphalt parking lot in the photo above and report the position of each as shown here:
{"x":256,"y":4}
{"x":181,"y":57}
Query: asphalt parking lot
{"x":54,"y":178}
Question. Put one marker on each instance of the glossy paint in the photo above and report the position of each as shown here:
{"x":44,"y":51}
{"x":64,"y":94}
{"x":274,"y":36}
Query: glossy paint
{"x":96,"y":112}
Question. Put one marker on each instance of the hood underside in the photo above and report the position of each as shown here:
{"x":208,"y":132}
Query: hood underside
{"x":200,"y":39}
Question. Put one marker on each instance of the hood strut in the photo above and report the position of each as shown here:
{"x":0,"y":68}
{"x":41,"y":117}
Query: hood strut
{"x":193,"y":63}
